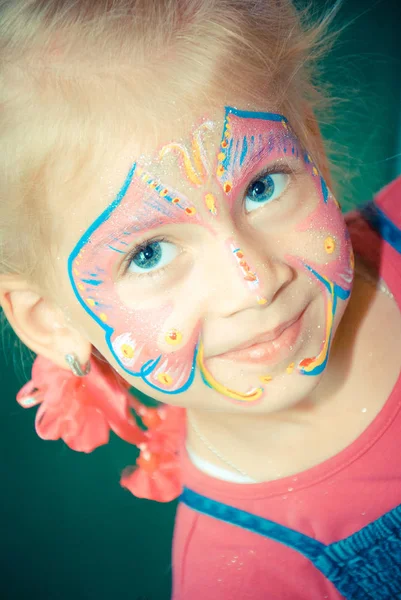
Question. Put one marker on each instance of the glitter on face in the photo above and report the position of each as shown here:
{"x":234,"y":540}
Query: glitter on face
{"x":139,"y":338}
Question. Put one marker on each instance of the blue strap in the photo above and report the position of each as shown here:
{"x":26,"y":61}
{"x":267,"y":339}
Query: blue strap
{"x":363,"y":566}
{"x":379,"y":221}
{"x":223,"y":512}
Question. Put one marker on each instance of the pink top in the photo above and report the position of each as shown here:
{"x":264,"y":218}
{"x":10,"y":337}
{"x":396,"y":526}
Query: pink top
{"x":217,"y":560}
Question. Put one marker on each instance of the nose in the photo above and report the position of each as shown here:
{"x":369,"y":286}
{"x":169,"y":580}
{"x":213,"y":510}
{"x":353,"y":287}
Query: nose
{"x":242,"y":275}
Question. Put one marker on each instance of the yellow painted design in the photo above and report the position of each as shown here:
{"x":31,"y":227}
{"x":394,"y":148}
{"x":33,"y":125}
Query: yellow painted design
{"x":91,"y":302}
{"x":220,"y":170}
{"x":174,"y":337}
{"x":195,"y":166}
{"x":210,"y":202}
{"x":127,"y":350}
{"x":81,"y":286}
{"x":221,"y":156}
{"x":266,"y":378}
{"x":290,"y":368}
{"x":314,"y":171}
{"x":227,"y":187}
{"x":103,"y":317}
{"x":321,"y":357}
{"x":165,"y":379}
{"x":261,"y":300}
{"x":251,"y":396}
{"x":190,"y":210}
{"x":329,"y":245}
{"x":352,"y":259}
{"x":76,"y":272}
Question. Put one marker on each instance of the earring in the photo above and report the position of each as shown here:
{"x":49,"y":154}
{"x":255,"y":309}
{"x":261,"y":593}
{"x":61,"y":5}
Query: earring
{"x":77,"y":369}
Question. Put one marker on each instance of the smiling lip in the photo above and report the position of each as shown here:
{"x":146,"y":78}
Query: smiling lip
{"x":268,"y":348}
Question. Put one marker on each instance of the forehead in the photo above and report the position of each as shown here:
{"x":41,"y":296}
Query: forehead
{"x":220,"y":145}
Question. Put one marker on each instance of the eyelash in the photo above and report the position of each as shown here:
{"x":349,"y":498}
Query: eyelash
{"x":138,"y":248}
{"x":270,"y":170}
{"x":273,"y":170}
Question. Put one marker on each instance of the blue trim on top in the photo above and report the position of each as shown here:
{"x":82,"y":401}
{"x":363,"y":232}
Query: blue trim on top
{"x":379,"y":221}
{"x":223,"y":512}
{"x":363,"y":566}
{"x":247,"y":114}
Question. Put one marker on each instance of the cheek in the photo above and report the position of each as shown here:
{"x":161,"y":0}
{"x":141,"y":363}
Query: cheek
{"x":157,"y":344}
{"x":321,"y":239}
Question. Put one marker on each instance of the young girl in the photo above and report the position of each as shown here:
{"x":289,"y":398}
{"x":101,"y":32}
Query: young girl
{"x":180,"y":235}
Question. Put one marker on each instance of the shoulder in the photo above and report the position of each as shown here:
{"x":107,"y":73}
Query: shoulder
{"x":375,"y":228}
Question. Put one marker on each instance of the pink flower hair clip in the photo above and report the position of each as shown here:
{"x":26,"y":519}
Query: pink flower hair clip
{"x":83,"y":405}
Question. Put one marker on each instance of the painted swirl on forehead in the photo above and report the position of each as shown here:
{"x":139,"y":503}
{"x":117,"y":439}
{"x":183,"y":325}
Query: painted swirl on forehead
{"x":153,"y":343}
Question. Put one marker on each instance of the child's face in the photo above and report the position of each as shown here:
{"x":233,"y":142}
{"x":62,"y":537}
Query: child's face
{"x":217,"y":272}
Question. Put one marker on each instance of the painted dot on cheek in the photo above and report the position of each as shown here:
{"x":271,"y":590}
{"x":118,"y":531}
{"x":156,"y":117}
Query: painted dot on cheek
{"x":127,"y":351}
{"x":290,"y":368}
{"x":329,"y":245}
{"x":103,"y":317}
{"x":227,"y":187}
{"x":174,"y":337}
{"x":266,"y":378}
{"x":190,"y":211}
{"x":165,"y":379}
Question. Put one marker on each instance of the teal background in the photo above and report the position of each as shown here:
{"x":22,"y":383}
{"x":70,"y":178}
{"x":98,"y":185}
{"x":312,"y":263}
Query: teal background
{"x":67,"y":529}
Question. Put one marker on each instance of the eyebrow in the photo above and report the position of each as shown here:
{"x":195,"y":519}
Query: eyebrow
{"x":259,"y":156}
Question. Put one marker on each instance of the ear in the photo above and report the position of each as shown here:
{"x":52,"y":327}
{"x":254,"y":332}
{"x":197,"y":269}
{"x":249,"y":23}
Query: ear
{"x":39,"y":323}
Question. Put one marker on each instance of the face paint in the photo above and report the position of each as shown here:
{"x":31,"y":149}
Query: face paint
{"x":194,"y":167}
{"x":336,"y":277}
{"x":143,"y":341}
{"x":249,"y":140}
{"x":251,"y":396}
{"x":247,"y":274}
{"x":151,"y":342}
{"x":211,"y":204}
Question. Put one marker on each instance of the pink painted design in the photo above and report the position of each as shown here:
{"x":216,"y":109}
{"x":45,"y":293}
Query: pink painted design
{"x":248,"y":275}
{"x":248,"y":144}
{"x":133,"y":334}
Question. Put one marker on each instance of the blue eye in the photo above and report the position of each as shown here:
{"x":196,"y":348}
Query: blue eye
{"x":152,"y":257}
{"x":265,"y":189}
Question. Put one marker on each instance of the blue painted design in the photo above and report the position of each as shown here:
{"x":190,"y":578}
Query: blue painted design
{"x":115,"y":250}
{"x":380,"y":222}
{"x":246,"y":114}
{"x":252,"y":144}
{"x":150,"y":366}
{"x":94,"y":282}
{"x":325,"y":191}
{"x":244,"y":150}
{"x":335,"y":291}
{"x":236,"y":152}
{"x":363,"y":566}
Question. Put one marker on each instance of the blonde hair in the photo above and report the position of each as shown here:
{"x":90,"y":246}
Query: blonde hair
{"x":66,"y":65}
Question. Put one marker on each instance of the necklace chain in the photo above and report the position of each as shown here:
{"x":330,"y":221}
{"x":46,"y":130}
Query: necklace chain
{"x":365,"y":274}
{"x":214,"y":450}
